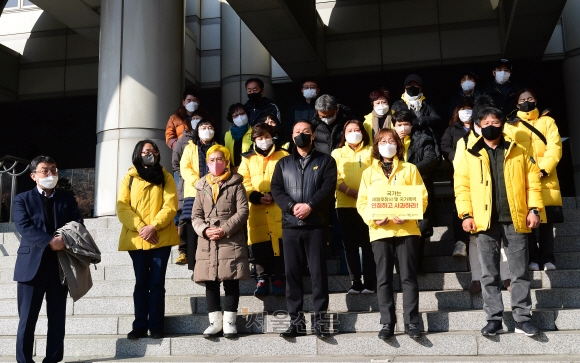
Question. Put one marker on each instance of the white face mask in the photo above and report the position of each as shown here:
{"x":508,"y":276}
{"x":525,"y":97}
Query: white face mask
{"x":240,"y":120}
{"x":388,"y":150}
{"x":477,"y":129}
{"x":502,"y":77}
{"x":48,"y":182}
{"x":403,"y":130}
{"x":192,"y":106}
{"x":206,"y":134}
{"x":468,"y":86}
{"x":264,"y":144}
{"x":465,"y":115}
{"x":194,"y":123}
{"x":381,"y":109}
{"x":353,"y":138}
{"x":309,"y":93}
{"x":328,"y":120}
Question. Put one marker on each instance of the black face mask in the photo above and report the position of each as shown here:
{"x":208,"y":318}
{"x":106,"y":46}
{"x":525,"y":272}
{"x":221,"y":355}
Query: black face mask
{"x":491,"y":132}
{"x":527,"y":106}
{"x":303,"y":140}
{"x":254,"y":97}
{"x":413,"y":91}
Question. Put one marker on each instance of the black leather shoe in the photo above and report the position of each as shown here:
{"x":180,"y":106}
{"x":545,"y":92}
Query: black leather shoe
{"x":137,"y":334}
{"x":295,"y":330}
{"x":492,"y":328}
{"x":387,"y":331}
{"x":157,"y":335}
{"x":321,"y":331}
{"x":527,"y":328}
{"x":413,"y":331}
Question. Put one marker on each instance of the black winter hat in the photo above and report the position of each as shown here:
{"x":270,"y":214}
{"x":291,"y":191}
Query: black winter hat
{"x":413,"y":77}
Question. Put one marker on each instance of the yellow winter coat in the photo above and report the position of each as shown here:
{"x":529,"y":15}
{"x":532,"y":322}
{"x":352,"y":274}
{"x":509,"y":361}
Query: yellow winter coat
{"x":371,"y":123}
{"x":473,"y":183}
{"x":146,"y":204}
{"x":189,"y":169}
{"x":374,"y":179}
{"x":350,"y":165}
{"x":546,"y":156}
{"x":265,"y":221}
{"x":460,"y":147}
{"x":229,"y":143}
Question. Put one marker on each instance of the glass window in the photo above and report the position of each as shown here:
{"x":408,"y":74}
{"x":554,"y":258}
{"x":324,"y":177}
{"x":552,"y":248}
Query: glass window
{"x":11,"y":4}
{"x":27,"y":3}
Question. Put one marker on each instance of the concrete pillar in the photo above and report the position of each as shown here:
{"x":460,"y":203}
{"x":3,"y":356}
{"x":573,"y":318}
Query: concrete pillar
{"x":242,"y":57}
{"x":140,"y":82}
{"x":571,"y":75}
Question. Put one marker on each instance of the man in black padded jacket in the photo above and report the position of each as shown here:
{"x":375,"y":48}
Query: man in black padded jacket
{"x":302,"y":186}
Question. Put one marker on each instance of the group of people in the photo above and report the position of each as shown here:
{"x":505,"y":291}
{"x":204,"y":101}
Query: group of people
{"x":267,"y":193}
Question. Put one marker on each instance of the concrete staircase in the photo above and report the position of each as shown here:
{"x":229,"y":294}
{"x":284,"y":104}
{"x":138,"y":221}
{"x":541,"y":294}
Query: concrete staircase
{"x":98,"y":323}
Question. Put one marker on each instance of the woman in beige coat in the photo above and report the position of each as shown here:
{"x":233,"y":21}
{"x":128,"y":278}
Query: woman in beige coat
{"x":220,"y":212}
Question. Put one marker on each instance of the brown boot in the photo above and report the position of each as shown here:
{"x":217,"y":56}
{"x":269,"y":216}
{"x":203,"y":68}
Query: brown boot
{"x":508,"y":284}
{"x":475,"y":287}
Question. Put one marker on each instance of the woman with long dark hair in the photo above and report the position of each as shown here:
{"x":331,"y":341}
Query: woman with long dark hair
{"x":146,"y":206}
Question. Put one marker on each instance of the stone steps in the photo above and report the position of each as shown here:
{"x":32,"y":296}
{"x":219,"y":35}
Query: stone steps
{"x":348,"y":344}
{"x":97,"y":324}
{"x":119,"y":281}
{"x":431,"y":321}
{"x":554,"y":298}
{"x":564,"y":261}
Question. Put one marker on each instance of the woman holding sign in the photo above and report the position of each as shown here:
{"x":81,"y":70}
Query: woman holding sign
{"x":391,"y":198}
{"x":352,"y":157}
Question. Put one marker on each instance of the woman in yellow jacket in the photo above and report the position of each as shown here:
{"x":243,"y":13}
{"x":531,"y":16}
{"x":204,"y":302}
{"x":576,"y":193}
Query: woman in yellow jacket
{"x":547,"y":152}
{"x":239,"y":137}
{"x":192,"y":167}
{"x":265,"y":221}
{"x":352,"y":157}
{"x":146,"y":206}
{"x":393,"y":235}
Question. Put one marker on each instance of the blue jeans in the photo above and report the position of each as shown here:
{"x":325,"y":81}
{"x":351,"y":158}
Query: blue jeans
{"x":149,"y":294}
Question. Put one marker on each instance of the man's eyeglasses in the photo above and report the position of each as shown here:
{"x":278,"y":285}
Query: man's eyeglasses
{"x":45,"y":172}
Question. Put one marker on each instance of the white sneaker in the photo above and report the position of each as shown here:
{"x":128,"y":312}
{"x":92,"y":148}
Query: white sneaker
{"x":460,"y":249}
{"x":533,"y":266}
{"x":548,"y":266}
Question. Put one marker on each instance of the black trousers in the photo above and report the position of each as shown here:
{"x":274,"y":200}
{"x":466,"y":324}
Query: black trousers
{"x":384,"y":251}
{"x":312,"y":243}
{"x":355,"y":233}
{"x":541,"y":244}
{"x":231,"y":300}
{"x":188,"y":239}
{"x":30,"y":296}
{"x":273,"y":267}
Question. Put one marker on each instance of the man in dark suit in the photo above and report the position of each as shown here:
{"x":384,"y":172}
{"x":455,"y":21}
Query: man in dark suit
{"x":38,"y":213}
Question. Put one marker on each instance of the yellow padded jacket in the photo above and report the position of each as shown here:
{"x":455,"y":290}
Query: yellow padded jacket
{"x":547,"y":156}
{"x":246,"y":144}
{"x":265,"y":221}
{"x":350,"y":165}
{"x":189,"y":169}
{"x":146,"y":204}
{"x":473,"y":183}
{"x":373,"y":179}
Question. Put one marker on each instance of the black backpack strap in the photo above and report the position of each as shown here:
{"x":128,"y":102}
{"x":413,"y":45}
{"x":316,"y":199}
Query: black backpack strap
{"x":130,"y":182}
{"x":535,"y":131}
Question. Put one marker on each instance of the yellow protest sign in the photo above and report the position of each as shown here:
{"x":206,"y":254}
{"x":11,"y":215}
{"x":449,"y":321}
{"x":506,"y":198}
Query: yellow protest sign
{"x":403,"y":201}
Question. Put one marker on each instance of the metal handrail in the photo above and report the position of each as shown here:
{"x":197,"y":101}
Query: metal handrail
{"x":11,"y":170}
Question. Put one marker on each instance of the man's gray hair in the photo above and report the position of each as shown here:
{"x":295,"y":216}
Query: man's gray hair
{"x":325,"y":103}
